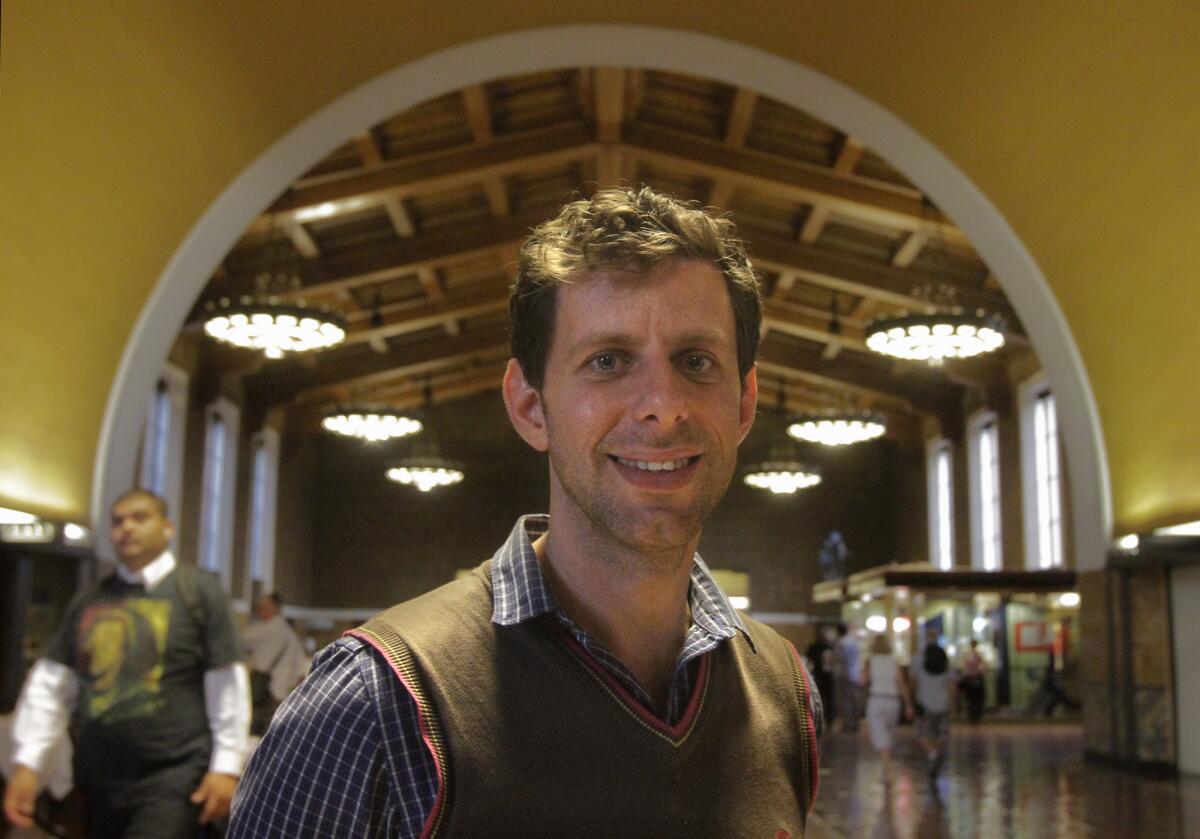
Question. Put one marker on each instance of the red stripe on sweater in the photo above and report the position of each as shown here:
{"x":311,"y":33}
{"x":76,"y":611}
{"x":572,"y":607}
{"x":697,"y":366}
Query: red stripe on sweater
{"x":422,"y":722}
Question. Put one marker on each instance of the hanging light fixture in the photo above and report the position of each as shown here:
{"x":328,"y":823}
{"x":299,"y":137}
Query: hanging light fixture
{"x":425,"y":473}
{"x":782,"y":476}
{"x":260,"y":321}
{"x":273,"y":327}
{"x":837,"y":428}
{"x":943,"y":329}
{"x":370,"y":423}
{"x":426,"y":470}
{"x":780,"y":473}
{"x":933,"y":336}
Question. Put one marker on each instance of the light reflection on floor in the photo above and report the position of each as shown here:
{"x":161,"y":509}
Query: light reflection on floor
{"x":1001,"y":780}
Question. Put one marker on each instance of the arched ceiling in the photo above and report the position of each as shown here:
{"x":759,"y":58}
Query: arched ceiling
{"x":410,"y":230}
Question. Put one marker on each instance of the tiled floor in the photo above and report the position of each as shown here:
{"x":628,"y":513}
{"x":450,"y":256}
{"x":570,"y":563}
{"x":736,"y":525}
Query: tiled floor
{"x":1024,"y":780}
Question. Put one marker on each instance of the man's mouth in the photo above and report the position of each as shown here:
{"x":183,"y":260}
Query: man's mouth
{"x":656,"y":465}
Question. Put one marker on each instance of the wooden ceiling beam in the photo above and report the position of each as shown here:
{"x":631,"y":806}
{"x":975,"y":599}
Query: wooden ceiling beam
{"x":862,"y":278}
{"x":479,"y":113}
{"x":479,"y":117}
{"x":302,"y":240}
{"x":372,"y":156}
{"x":444,"y":388}
{"x":720,"y":194}
{"x":379,"y":263}
{"x":818,"y":215}
{"x":907,"y":252}
{"x":609,"y":90}
{"x":355,"y":369}
{"x":870,"y":201}
{"x":380,"y":345}
{"x":609,"y":108}
{"x":422,"y":315}
{"x":926,"y":395}
{"x":437,"y":172}
{"x":814,"y":223}
{"x":741,"y":115}
{"x":849,"y":393}
{"x":849,"y":152}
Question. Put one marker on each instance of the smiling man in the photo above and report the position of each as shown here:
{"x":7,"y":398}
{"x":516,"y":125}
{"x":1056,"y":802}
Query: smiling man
{"x":591,"y":679}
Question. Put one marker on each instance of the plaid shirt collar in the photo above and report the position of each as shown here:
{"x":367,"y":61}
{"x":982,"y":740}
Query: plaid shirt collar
{"x":520,"y":593}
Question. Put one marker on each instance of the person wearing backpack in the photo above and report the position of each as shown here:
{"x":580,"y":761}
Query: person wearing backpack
{"x":934,"y":696}
{"x":146,"y":669}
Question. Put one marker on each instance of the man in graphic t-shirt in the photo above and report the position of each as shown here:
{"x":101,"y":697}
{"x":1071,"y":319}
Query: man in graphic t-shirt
{"x":145,"y":671}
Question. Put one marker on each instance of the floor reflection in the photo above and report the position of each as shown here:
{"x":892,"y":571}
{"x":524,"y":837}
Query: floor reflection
{"x":1000,"y":780}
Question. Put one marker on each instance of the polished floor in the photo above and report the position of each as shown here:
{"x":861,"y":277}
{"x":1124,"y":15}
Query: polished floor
{"x":1003,"y":779}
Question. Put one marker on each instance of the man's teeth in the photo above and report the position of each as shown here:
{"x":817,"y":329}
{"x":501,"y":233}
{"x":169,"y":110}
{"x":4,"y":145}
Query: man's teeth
{"x":655,"y":465}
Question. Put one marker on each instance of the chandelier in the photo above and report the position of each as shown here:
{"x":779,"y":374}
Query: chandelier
{"x":943,"y":329}
{"x":261,"y":321}
{"x":273,"y":327}
{"x":368,"y":423}
{"x":425,"y":473}
{"x":933,"y":337}
{"x":426,"y":470}
{"x":840,"y":428}
{"x":780,"y":472}
{"x":782,"y":477}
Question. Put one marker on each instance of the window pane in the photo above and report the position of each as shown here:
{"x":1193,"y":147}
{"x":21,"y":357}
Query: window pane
{"x":158,"y":437}
{"x":258,"y":500}
{"x":945,"y":549}
{"x":1049,"y":512}
{"x":214,"y":473}
{"x":989,"y":498}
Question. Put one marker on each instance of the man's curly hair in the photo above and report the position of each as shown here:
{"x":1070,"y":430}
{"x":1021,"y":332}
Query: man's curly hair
{"x":625,"y":230}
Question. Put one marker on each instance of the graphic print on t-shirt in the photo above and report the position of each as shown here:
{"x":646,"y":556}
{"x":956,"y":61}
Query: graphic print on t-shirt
{"x":121,"y":645}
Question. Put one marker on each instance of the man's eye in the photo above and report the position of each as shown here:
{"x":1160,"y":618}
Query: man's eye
{"x":697,"y":363}
{"x":604,"y":362}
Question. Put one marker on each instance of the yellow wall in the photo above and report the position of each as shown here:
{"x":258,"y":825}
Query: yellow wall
{"x":120,"y":122}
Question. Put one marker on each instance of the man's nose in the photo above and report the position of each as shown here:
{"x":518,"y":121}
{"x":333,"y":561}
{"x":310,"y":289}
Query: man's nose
{"x":661,"y":396}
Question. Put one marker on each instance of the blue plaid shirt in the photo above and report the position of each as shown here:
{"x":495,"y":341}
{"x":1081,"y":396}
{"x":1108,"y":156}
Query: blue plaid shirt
{"x":344,"y":754}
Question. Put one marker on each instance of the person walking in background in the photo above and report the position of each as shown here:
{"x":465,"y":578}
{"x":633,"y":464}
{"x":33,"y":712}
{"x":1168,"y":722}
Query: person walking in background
{"x":846,"y":676}
{"x":935,"y":695}
{"x":888,"y":695}
{"x":972,"y":682}
{"x":277,"y":660}
{"x":819,"y":656}
{"x":147,"y":661}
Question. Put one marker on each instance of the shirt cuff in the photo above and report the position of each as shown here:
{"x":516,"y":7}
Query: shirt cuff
{"x":227,"y":704}
{"x":227,"y":761}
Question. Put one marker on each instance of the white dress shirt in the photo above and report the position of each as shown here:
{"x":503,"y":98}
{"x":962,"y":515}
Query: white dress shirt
{"x":52,"y":690}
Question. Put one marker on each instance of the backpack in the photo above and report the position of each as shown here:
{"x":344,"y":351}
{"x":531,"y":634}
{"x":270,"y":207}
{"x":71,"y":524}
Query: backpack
{"x":936,"y":660}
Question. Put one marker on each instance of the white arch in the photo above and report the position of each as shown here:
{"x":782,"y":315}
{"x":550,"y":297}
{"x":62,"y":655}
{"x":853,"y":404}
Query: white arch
{"x":629,"y":46}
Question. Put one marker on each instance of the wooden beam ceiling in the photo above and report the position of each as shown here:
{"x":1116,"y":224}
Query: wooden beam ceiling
{"x":422,"y":288}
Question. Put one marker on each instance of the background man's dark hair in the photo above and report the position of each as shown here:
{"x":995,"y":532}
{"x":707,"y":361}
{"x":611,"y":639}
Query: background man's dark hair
{"x":137,"y":492}
{"x":625,"y":230}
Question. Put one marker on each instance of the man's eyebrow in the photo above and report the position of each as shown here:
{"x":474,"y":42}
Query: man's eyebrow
{"x":625,"y":339}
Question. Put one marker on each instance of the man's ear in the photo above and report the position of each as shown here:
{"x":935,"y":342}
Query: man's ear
{"x":748,"y":408}
{"x":524,"y":405}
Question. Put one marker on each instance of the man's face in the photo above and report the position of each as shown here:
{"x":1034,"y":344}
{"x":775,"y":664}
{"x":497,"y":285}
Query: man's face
{"x":266,"y":608}
{"x":139,"y":531}
{"x":641,"y":407}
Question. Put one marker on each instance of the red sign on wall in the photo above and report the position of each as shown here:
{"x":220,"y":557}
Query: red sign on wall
{"x":1033,"y":637}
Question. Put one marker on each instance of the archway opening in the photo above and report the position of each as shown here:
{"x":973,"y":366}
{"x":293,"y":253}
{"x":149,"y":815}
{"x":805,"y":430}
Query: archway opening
{"x":621,"y":47}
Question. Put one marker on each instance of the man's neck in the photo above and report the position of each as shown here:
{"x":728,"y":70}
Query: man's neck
{"x":636,"y":606}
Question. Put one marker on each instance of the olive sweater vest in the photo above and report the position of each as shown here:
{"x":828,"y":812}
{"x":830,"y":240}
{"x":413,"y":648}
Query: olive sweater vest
{"x":533,"y":738}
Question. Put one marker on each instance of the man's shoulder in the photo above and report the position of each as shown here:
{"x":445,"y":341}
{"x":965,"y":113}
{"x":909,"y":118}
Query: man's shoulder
{"x":463,"y":599}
